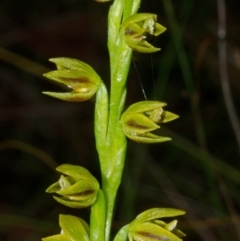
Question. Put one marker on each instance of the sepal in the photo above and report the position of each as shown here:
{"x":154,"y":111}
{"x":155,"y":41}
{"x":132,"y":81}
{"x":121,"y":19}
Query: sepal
{"x":135,"y":29}
{"x":143,"y":117}
{"x":77,"y":188}
{"x":72,"y":229}
{"x":76,"y":75}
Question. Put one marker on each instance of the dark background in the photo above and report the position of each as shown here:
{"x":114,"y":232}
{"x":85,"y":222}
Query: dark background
{"x":197,"y":171}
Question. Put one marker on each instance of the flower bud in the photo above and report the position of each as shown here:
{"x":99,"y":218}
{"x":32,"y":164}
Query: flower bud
{"x":135,"y":29}
{"x":146,"y":227}
{"x":78,"y":76}
{"x":142,"y":118}
{"x":72,"y":229}
{"x":77,"y":188}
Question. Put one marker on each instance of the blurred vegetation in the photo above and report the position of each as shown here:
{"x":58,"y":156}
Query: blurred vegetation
{"x":197,"y":171}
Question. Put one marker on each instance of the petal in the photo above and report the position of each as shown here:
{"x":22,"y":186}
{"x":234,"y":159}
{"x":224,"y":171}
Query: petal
{"x":167,"y":116}
{"x":74,"y":171}
{"x":144,"y":106}
{"x":68,"y":63}
{"x":75,"y":204}
{"x":71,"y":96}
{"x":149,"y":138}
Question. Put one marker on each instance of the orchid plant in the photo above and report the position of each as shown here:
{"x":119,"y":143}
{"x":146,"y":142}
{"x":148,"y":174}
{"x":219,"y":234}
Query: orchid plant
{"x":77,"y":187}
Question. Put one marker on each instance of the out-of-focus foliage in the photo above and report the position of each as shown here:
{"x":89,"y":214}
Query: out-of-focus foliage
{"x":203,"y":153}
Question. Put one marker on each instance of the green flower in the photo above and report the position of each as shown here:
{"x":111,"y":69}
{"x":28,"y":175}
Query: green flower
{"x":147,"y":227}
{"x":135,"y":29}
{"x":77,"y":188}
{"x":78,"y":76}
{"x":142,"y":118}
{"x":72,"y":229}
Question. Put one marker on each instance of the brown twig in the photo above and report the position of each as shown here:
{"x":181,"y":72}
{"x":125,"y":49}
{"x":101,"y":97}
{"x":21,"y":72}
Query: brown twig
{"x":224,"y":72}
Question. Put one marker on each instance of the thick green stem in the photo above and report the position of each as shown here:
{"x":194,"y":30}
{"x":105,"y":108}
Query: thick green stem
{"x":110,"y":139}
{"x":120,"y":59}
{"x":97,"y":219}
{"x":116,"y":139}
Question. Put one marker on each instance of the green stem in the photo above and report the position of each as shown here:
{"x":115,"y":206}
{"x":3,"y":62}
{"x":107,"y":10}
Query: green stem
{"x":110,"y":139}
{"x":120,"y":59}
{"x":97,"y":219}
